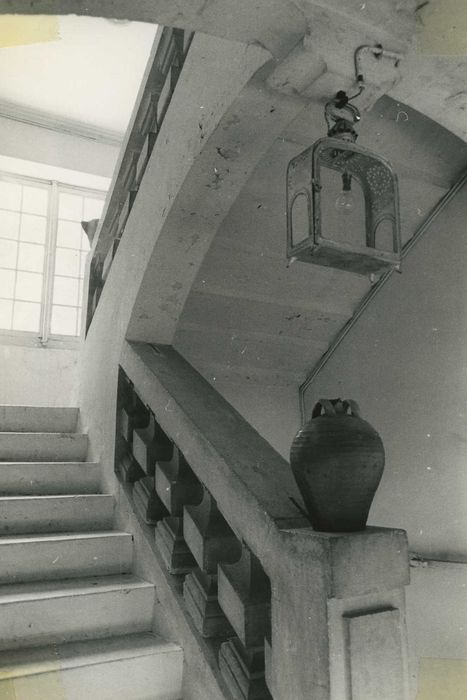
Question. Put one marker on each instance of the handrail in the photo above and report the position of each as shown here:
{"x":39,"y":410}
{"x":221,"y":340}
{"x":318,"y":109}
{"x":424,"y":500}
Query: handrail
{"x":163,"y":70}
{"x":179,"y":478}
{"x":373,"y":291}
{"x":259,"y":585}
{"x":177,"y":394}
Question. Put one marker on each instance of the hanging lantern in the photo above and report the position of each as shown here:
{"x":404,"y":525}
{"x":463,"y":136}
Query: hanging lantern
{"x":361,"y":231}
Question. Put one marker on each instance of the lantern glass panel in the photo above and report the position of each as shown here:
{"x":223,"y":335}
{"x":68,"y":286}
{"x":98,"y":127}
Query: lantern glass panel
{"x":384,"y":235}
{"x":342,"y":226}
{"x":300,"y":218}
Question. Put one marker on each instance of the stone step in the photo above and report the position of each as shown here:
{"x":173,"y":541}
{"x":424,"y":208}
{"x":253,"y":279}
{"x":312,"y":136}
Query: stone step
{"x":55,"y":612}
{"x":43,"y":447}
{"x":67,"y":555}
{"x":27,"y":478}
{"x":132,"y":667}
{"x":70,"y":513}
{"x":38,"y":419}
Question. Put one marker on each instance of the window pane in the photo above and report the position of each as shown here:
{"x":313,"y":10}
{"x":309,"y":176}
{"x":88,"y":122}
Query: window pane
{"x":67,"y":262}
{"x":92,"y":208}
{"x":8,"y":253}
{"x":81,"y":292}
{"x":66,"y":291}
{"x":85,"y":245}
{"x":31,"y":257}
{"x":70,"y":206}
{"x":6,"y":311}
{"x":9,"y":224}
{"x":26,"y":316}
{"x":35,"y":200}
{"x":63,"y":320}
{"x":79,"y":313}
{"x":10,"y":196}
{"x":69,"y":234}
{"x":82,"y":268}
{"x":29,"y":286}
{"x":33,"y":228}
{"x":7,"y":283}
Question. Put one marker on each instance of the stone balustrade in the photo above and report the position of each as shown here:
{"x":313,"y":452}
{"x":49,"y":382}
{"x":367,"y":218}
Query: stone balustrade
{"x":195,"y":541}
{"x":290,"y":612}
{"x":162,"y":73}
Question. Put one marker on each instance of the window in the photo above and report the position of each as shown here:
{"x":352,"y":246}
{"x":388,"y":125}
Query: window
{"x":43,"y":251}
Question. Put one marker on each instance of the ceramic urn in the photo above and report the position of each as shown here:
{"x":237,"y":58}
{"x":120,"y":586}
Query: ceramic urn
{"x":337,"y":460}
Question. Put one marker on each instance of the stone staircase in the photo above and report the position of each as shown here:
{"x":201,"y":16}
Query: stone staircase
{"x":74,"y":622}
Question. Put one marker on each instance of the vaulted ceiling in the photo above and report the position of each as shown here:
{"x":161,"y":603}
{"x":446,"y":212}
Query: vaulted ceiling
{"x":249,"y":313}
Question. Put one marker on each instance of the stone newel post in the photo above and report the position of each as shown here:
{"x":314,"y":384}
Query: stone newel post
{"x":338,"y":616}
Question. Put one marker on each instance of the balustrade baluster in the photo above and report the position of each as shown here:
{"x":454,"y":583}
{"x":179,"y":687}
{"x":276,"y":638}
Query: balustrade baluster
{"x":113,"y":226}
{"x":125,"y":390}
{"x":129,"y":469}
{"x":211,"y":541}
{"x":131,"y":414}
{"x":126,"y":208}
{"x":176,"y":486}
{"x":147,"y":502}
{"x":172,"y":546}
{"x":145,"y":154}
{"x":244,"y":592}
{"x":148,"y":113}
{"x":150,"y":444}
{"x":96,"y":284}
{"x":245,"y":597}
{"x":109,"y":258}
{"x":243,"y":670}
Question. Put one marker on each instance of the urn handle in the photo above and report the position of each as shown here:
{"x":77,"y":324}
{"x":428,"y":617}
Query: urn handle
{"x":335,"y":407}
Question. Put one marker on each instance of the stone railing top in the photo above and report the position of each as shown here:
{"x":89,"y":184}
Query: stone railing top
{"x":251,"y":482}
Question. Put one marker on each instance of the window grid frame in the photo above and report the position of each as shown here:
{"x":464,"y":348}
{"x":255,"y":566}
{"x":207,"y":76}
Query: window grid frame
{"x":54,"y":189}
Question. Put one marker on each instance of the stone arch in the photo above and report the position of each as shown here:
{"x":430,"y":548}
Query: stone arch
{"x":246,"y":23}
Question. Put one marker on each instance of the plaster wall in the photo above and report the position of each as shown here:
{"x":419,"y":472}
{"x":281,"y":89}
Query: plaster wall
{"x":35,"y":376}
{"x":438,"y":656}
{"x":405,"y":363}
{"x":268,"y":403}
{"x":41,"y":145}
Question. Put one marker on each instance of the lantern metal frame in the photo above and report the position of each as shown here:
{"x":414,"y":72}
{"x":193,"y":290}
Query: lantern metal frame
{"x":379,"y":186}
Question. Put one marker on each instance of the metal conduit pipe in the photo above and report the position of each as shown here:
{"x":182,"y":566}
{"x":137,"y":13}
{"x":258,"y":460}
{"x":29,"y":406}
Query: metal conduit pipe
{"x":370,"y":295}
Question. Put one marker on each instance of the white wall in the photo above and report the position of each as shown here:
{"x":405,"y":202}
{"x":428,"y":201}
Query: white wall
{"x":437,"y":626}
{"x":38,"y":376}
{"x":405,"y":362}
{"x":42,"y":145}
